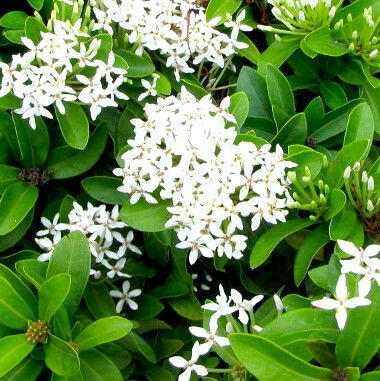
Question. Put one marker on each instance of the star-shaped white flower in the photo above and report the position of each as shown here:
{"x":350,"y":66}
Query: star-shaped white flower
{"x":342,"y":302}
{"x":126,"y":297}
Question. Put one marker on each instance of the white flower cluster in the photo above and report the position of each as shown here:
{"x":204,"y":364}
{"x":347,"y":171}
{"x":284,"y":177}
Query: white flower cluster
{"x":101,"y":227}
{"x":302,"y":16}
{"x":177,"y":29}
{"x":224,"y":306}
{"x":56,"y":70}
{"x":363,"y":263}
{"x":186,"y":153}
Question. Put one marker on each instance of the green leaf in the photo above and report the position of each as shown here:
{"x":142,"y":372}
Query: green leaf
{"x":239,"y":107}
{"x":322,"y":42}
{"x":279,"y":51}
{"x":33,"y":271}
{"x":294,"y":302}
{"x":335,"y":203}
{"x":12,"y":238}
{"x":74,"y":125}
{"x":307,"y":158}
{"x":98,"y":300}
{"x":254,"y":86}
{"x":64,"y":162}
{"x":16,"y":202}
{"x":138,"y":66}
{"x":360,"y":124}
{"x":347,"y":156}
{"x":95,"y":366}
{"x":360,"y":340}
{"x":28,"y":369}
{"x":163,"y":85}
{"x":343,"y":223}
{"x":13,"y":20}
{"x":149,"y":308}
{"x":33,"y":29}
{"x":72,"y":256}
{"x":60,"y":357}
{"x":280,"y":95}
{"x":352,"y":72}
{"x":333,"y":94}
{"x":15,"y":37}
{"x":103,"y":331}
{"x":267,"y":361}
{"x":319,"y":276}
{"x":13,"y":349}
{"x":15,"y":311}
{"x":293,"y":132}
{"x":8,"y":133}
{"x":24,"y":292}
{"x":135,"y":343}
{"x":8,"y":175}
{"x":370,"y":376}
{"x":372,"y":97}
{"x":251,"y":52}
{"x":313,"y":242}
{"x":146,"y":217}
{"x":217,"y":8}
{"x":36,"y":4}
{"x":104,"y":189}
{"x":272,"y":237}
{"x":33,"y":144}
{"x":52,"y":294}
{"x":304,"y":324}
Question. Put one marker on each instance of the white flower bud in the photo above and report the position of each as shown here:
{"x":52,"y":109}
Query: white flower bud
{"x":373,"y":54}
{"x":229,"y":328}
{"x":370,"y":206}
{"x":356,"y":166}
{"x":347,"y":173}
{"x":349,"y":17}
{"x":354,"y":34}
{"x":351,"y":47}
{"x":370,"y":184}
{"x":364,"y":177}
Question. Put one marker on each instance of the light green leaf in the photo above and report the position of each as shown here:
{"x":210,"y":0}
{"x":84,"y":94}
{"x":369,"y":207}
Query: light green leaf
{"x":251,"y":52}
{"x":103,"y":331}
{"x":138,"y":66}
{"x":272,"y":237}
{"x":52,"y":294}
{"x":13,"y":349}
{"x":36,"y":4}
{"x":33,"y":271}
{"x":74,"y":125}
{"x":17,"y":200}
{"x":13,"y":20}
{"x":239,"y":107}
{"x":217,"y":8}
{"x":60,"y":357}
{"x":279,"y":51}
{"x":335,"y":203}
{"x":28,"y":369}
{"x":72,"y":256}
{"x":146,"y":217}
{"x":343,"y":223}
{"x":304,"y":324}
{"x":360,"y":124}
{"x":267,"y":361}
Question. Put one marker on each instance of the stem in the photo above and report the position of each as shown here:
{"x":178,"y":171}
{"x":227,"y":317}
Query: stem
{"x":224,"y":87}
{"x":221,"y":73}
{"x":218,"y":370}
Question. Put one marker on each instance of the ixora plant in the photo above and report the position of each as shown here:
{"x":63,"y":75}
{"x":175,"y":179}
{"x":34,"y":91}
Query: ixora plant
{"x":190,"y":189}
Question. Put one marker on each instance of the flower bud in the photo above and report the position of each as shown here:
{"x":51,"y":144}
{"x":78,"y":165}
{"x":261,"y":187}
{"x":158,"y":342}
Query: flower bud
{"x":370,"y":206}
{"x":347,"y":173}
{"x":305,"y":179}
{"x":292,"y":176}
{"x":351,"y":47}
{"x":277,"y":38}
{"x":370,"y":184}
{"x":354,"y":34}
{"x":325,"y":161}
{"x":229,"y":328}
{"x":364,"y":177}
{"x":356,"y":166}
{"x":349,"y":17}
{"x":313,"y":218}
{"x":373,"y":54}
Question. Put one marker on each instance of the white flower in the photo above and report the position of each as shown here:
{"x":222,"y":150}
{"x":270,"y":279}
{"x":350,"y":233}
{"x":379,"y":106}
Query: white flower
{"x":126,"y":243}
{"x":243,"y":305}
{"x":190,"y":365}
{"x":150,"y":87}
{"x":116,"y":268}
{"x":210,"y":337}
{"x":51,"y":226}
{"x":126,"y":297}
{"x":342,"y":302}
{"x":237,"y":24}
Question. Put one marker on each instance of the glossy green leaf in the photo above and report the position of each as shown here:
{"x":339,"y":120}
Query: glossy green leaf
{"x":293,"y":132}
{"x":217,"y":8}
{"x":15,"y":311}
{"x":307,"y":158}
{"x":146,"y":217}
{"x":267,"y":361}
{"x":360,"y":340}
{"x":64,"y":162}
{"x":335,"y":203}
{"x":33,"y":271}
{"x":251,"y":52}
{"x":254,"y":86}
{"x":60,"y":357}
{"x":278,"y":51}
{"x":33,"y":144}
{"x":104,"y":189}
{"x":17,"y":200}
{"x":280,"y":95}
{"x":98,"y":300}
{"x":360,"y":124}
{"x":272,"y":237}
{"x":372,"y":97}
{"x":342,"y":224}
{"x":135,"y":343}
{"x":13,"y":20}
{"x":333,"y":94}
{"x":28,"y":369}
{"x":370,"y":376}
{"x":36,"y":4}
{"x":72,"y":256}
{"x":33,"y":29}
{"x":138,"y":66}
{"x":13,"y":349}
{"x":74,"y":125}
{"x":52,"y":294}
{"x":103,"y":331}
{"x":305,"y":324}
{"x":313,"y":242}
{"x":95,"y":366}
{"x":239,"y":107}
{"x":8,"y":175}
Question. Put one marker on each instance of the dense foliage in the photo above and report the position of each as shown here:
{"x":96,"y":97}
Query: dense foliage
{"x":190,"y":189}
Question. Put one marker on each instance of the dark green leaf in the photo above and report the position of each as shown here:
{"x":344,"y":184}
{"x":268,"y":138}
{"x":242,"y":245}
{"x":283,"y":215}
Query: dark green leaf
{"x":333,"y":94}
{"x":293,"y":132}
{"x":138,"y":66}
{"x":98,"y":300}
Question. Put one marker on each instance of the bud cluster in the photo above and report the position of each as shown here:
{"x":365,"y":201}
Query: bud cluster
{"x":362,"y":39}
{"x":37,"y":332}
{"x":360,"y":189}
{"x":308,"y":196}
